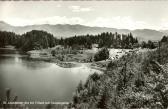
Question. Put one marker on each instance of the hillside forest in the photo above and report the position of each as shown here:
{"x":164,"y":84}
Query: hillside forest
{"x":37,"y":39}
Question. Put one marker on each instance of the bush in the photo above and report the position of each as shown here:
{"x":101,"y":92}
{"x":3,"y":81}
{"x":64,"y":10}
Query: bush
{"x":53,"y":52}
{"x":102,"y":55}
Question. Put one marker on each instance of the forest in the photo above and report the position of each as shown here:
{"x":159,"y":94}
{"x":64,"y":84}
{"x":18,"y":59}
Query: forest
{"x":8,"y":38}
{"x":134,"y":81}
{"x":37,"y":39}
{"x":105,"y":39}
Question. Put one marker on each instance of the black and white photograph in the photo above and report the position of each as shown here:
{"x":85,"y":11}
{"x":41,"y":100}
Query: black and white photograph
{"x":84,"y":54}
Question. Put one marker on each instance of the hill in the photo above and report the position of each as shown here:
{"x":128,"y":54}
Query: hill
{"x":67,"y":30}
{"x":134,"y":81}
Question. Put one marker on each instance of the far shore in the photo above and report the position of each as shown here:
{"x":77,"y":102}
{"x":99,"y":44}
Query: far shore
{"x":74,"y":60}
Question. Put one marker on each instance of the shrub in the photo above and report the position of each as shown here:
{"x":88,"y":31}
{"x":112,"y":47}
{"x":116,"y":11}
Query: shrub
{"x":102,"y":55}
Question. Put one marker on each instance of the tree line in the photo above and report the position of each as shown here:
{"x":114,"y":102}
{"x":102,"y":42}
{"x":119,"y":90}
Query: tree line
{"x":29,"y":41}
{"x":105,"y":39}
{"x":38,"y":39}
{"x":8,"y":38}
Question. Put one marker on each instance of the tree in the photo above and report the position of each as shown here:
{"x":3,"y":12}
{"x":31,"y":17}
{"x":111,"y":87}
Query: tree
{"x":53,"y":52}
{"x":164,"y":39}
{"x":103,"y":102}
{"x":36,"y":40}
{"x":80,"y":86}
{"x":151,"y":45}
{"x":105,"y":39}
{"x":8,"y":38}
{"x":102,"y":55}
{"x":143,"y":44}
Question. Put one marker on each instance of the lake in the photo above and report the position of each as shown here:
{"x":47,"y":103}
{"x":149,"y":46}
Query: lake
{"x":38,"y":80}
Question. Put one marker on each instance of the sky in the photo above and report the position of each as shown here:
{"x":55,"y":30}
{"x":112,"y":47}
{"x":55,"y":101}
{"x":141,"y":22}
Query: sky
{"x":115,"y":14}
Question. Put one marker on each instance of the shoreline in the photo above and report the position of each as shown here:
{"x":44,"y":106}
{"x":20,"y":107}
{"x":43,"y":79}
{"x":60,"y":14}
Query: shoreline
{"x":62,"y":64}
{"x":42,"y":55}
{"x":51,"y":59}
{"x":55,"y":61}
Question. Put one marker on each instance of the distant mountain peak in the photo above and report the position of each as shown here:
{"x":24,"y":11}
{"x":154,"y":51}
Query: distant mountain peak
{"x":68,"y":30}
{"x":4,"y":23}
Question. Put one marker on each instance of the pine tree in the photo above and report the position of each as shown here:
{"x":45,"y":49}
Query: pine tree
{"x":103,"y":102}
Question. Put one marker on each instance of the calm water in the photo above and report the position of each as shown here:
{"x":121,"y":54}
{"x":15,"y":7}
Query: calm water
{"x":38,"y":80}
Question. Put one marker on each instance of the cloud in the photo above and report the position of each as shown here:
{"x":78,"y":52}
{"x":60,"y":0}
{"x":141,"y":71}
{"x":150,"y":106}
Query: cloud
{"x":118,"y":22}
{"x":58,"y":5}
{"x":113,"y":22}
{"x":164,"y":24}
{"x":126,"y":22}
{"x":47,"y":20}
{"x":80,"y":9}
{"x":60,"y":20}
{"x":17,"y":21}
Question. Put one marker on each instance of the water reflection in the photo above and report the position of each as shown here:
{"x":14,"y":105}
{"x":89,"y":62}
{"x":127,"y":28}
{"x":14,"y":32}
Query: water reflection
{"x":38,"y":80}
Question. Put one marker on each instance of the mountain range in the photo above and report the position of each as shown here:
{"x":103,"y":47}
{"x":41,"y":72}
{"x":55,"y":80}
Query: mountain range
{"x":67,"y":30}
